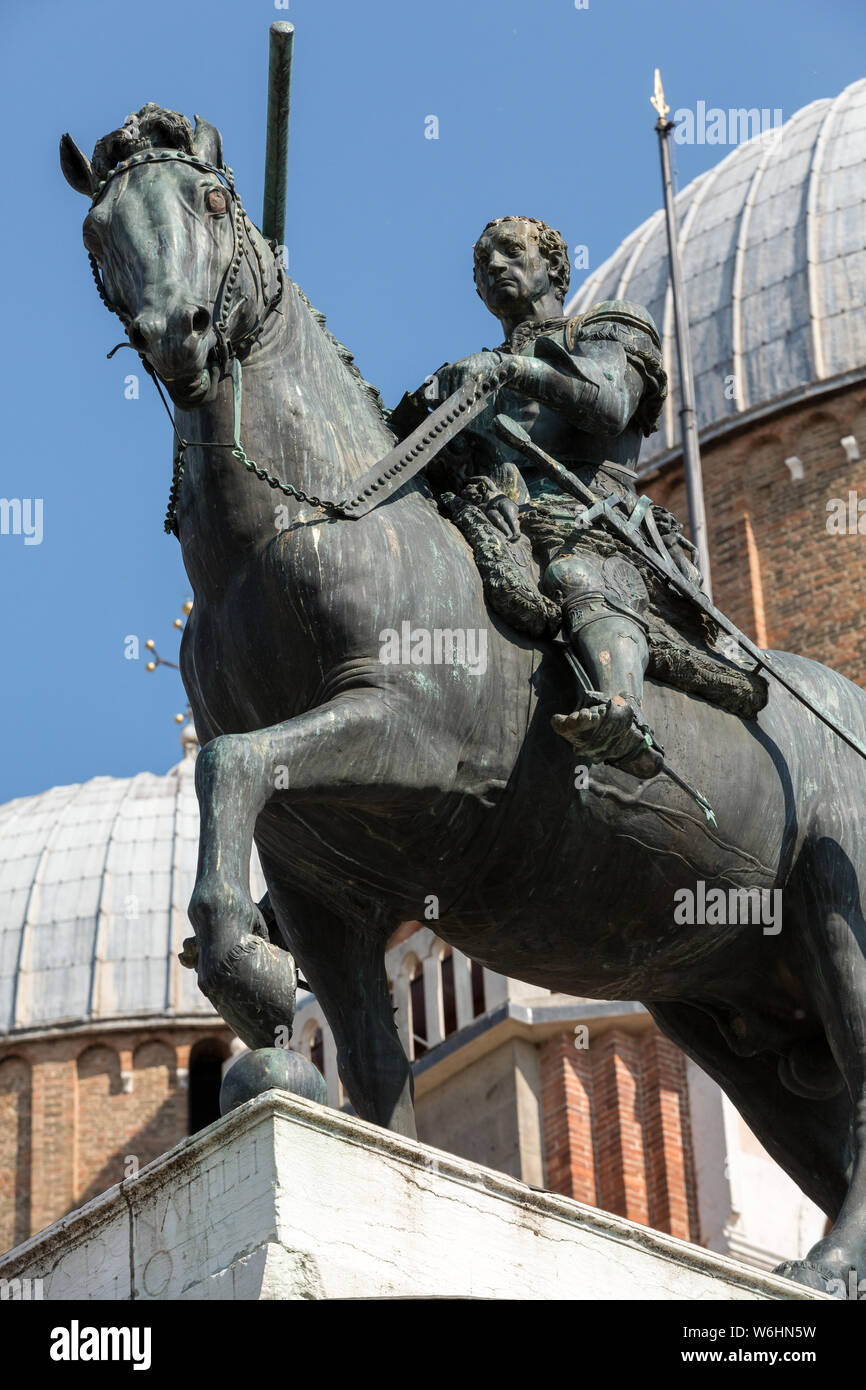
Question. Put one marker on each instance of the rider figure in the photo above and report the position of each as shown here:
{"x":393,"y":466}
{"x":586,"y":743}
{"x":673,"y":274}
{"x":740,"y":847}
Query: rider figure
{"x":591,"y":386}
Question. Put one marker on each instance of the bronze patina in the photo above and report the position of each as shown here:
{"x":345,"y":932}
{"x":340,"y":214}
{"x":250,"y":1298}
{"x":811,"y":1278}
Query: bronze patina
{"x":371,"y":786}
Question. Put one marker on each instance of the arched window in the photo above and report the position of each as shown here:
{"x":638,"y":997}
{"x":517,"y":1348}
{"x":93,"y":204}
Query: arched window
{"x":477,"y":989}
{"x":449,"y":998}
{"x":205,"y":1078}
{"x":418,"y":1011}
{"x":317,"y":1050}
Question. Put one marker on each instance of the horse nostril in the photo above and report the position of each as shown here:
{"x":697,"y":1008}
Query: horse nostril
{"x":200,"y":321}
{"x":137,"y":338}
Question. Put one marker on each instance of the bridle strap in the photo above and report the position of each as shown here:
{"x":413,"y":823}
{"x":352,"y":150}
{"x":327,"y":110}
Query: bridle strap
{"x":225,"y":292}
{"x":159,"y":157}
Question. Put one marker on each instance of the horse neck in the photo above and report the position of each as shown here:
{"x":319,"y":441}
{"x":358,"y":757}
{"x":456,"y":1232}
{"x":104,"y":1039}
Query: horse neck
{"x":307,"y":417}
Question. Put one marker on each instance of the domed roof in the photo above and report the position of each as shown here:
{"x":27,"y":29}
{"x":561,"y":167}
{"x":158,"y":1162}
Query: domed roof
{"x":94,"y":885}
{"x":773,"y":249}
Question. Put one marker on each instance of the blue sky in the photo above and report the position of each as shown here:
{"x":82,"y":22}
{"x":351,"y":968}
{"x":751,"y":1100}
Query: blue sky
{"x":542,"y":108}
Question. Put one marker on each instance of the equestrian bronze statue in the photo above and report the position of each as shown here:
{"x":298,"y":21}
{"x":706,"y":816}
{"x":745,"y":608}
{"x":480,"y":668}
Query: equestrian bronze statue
{"x":559,"y":798}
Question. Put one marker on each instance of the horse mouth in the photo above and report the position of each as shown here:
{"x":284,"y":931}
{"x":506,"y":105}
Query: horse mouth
{"x":191,"y":392}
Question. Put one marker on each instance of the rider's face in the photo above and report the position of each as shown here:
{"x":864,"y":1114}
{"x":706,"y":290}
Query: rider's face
{"x":510,"y":271}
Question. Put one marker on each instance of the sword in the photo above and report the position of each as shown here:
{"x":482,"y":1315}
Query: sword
{"x":415,"y":452}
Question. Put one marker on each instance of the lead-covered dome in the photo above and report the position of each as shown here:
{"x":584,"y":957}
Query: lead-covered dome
{"x":773,"y":248}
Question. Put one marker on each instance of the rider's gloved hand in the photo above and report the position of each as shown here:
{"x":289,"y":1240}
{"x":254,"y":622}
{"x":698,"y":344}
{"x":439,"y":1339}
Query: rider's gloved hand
{"x":451,"y":377}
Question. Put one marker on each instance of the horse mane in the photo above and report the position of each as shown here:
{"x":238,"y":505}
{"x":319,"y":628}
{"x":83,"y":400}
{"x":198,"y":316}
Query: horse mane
{"x":345,"y":356}
{"x":152,"y":127}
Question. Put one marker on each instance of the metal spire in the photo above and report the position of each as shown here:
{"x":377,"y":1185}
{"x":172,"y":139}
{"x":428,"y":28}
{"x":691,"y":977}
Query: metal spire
{"x":688,"y":416}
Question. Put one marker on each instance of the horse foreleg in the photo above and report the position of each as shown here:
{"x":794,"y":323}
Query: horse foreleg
{"x":250,"y":981}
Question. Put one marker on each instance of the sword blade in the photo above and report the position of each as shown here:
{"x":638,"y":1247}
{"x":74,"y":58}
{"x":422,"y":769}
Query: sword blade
{"x":423,"y":444}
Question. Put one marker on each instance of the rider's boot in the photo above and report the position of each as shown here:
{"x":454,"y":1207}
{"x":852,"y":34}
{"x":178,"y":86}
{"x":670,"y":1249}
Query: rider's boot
{"x":610,"y":725}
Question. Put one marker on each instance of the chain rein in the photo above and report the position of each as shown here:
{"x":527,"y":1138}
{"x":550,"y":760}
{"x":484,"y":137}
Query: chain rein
{"x":240,"y":225}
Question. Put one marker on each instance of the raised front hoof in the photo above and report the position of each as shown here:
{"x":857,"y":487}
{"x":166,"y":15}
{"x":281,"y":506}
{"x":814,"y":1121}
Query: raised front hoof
{"x":823,"y":1278}
{"x":270,"y":1068}
{"x":253,"y":985}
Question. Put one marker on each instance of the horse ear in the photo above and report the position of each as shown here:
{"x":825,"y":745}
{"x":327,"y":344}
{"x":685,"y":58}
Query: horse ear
{"x":208,"y":143}
{"x":76,"y":166}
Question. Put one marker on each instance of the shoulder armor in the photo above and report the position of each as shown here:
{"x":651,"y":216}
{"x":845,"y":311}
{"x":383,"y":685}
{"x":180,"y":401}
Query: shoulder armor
{"x":620,"y":312}
{"x":632,"y":326}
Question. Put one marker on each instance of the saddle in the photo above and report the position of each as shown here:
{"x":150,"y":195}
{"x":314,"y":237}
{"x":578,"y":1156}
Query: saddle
{"x":682,"y":640}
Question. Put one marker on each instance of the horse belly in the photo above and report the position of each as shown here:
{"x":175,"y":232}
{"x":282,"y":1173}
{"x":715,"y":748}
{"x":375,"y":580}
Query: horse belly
{"x":602,"y":889}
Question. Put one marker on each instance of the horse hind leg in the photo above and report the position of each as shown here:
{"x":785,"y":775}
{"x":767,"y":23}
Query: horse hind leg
{"x":344,"y":964}
{"x":838,"y":956}
{"x":808,"y":1138}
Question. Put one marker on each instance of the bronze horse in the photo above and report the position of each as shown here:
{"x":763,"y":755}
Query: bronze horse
{"x":369,"y":787}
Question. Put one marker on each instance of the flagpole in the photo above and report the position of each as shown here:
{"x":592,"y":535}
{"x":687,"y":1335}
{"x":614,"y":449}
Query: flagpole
{"x":688,"y":414}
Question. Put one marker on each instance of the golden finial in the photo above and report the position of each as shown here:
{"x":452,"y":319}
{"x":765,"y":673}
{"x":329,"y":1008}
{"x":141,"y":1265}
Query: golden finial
{"x":658,"y":97}
{"x":161,"y":660}
{"x":188,"y":738}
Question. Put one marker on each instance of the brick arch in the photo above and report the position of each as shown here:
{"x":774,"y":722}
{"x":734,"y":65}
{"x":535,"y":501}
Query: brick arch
{"x":16,"y":1119}
{"x":856,"y":417}
{"x":100,"y":1096}
{"x":821,"y":415}
{"x":98,"y":1067}
{"x":312,"y":1043}
{"x":207,"y":1060}
{"x":151,"y":1057}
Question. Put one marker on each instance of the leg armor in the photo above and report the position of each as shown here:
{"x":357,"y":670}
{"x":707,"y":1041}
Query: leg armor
{"x":603,"y":605}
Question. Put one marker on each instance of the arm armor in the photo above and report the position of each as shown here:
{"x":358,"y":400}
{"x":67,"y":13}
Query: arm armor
{"x":588,"y":397}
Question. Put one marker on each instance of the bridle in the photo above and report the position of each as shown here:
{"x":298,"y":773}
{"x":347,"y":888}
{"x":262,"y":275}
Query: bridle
{"x":241,"y":238}
{"x":226,"y":351}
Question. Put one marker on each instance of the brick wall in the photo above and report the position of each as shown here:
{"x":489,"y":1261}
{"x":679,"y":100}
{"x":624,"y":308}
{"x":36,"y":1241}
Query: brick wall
{"x":777,"y":571}
{"x":78,"y":1113}
{"x":15,"y":1150}
{"x":616,"y":1127}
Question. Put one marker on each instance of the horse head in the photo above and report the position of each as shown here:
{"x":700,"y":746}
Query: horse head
{"x":173,"y":252}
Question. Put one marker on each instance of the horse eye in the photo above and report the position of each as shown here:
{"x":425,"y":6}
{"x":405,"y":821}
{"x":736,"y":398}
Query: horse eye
{"x":215,"y":201}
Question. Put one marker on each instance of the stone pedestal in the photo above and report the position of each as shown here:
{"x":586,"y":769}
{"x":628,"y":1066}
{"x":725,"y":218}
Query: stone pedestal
{"x":286,"y":1199}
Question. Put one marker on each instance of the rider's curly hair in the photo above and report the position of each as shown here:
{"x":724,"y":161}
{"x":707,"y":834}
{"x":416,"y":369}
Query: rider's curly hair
{"x":552,"y":247}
